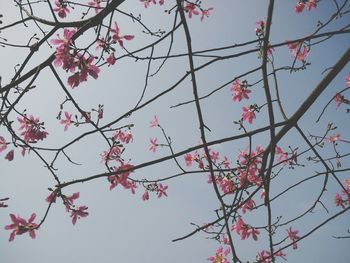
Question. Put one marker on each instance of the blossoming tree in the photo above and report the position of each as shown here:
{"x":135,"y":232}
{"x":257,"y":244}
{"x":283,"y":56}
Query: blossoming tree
{"x":94,"y":94}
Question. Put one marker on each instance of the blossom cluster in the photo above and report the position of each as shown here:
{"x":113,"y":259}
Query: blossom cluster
{"x":62,"y":7}
{"x":299,"y":50}
{"x":68,"y":201}
{"x":343,"y":199}
{"x":310,"y":4}
{"x":190,"y":8}
{"x":82,"y":64}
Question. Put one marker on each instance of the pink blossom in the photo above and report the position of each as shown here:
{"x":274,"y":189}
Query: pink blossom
{"x":112,"y":154}
{"x":205,"y":13}
{"x":78,"y":213}
{"x":111,"y":59}
{"x":264,"y":257}
{"x":86,"y":68}
{"x":293,"y":235}
{"x":226,"y":163}
{"x":347,"y":80}
{"x":20,"y":226}
{"x":260,"y":28}
{"x":62,"y":56}
{"x":339,"y":99}
{"x":248,"y":114}
{"x":188,"y":159}
{"x":154,"y":122}
{"x":146,"y":3}
{"x":312,"y":4}
{"x":281,"y":155}
{"x":299,"y":50}
{"x":154,"y":145}
{"x":220,"y":256}
{"x":51,"y":198}
{"x":61,"y":9}
{"x":244,"y":230}
{"x":214,"y":156}
{"x":190,"y":8}
{"x":226,"y":185}
{"x":145,"y":196}
{"x":249,"y":205}
{"x":10,"y":155}
{"x":121,"y":178}
{"x":117,"y":38}
{"x":124,"y":137}
{"x":347,"y":182}
{"x":334,"y":138}
{"x":73,"y":80}
{"x":161,"y":190}
{"x":67,"y":121}
{"x":31,"y":129}
{"x":69,"y":200}
{"x":239,"y":91}
{"x":3,"y":144}
{"x":338,"y":200}
{"x":299,"y":7}
{"x":96,"y":4}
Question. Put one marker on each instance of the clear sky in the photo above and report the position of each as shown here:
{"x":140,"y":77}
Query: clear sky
{"x":120,"y":226}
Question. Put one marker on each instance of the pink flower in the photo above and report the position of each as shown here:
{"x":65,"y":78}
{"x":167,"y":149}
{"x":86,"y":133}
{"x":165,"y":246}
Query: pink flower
{"x":154,"y":122}
{"x":347,"y":80}
{"x":69,"y":200}
{"x":145,"y":196}
{"x":3,"y":144}
{"x":154,"y":145}
{"x":299,"y":7}
{"x":347,"y":182}
{"x":96,"y":4}
{"x":214,"y":156}
{"x":281,"y":155}
{"x":226,"y":185}
{"x":63,"y":57}
{"x":78,"y":213}
{"x":113,"y":153}
{"x":31,"y":129}
{"x":299,"y":50}
{"x":61,"y":9}
{"x":67,"y":121}
{"x":338,"y":200}
{"x":220,"y":256}
{"x":312,"y":4}
{"x":146,"y":3}
{"x":161,"y":190}
{"x":248,"y":114}
{"x":249,"y":205}
{"x":334,"y":138}
{"x":20,"y":226}
{"x":122,"y":178}
{"x":111,"y":59}
{"x":339,"y":99}
{"x":124,"y":137}
{"x":239,"y":91}
{"x":260,"y":28}
{"x":244,"y":230}
{"x":73,"y":80}
{"x":51,"y":198}
{"x":188,"y":159}
{"x":10,"y":155}
{"x":205,"y":12}
{"x":293,"y":235}
{"x":190,"y":8}
{"x":117,"y":38}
